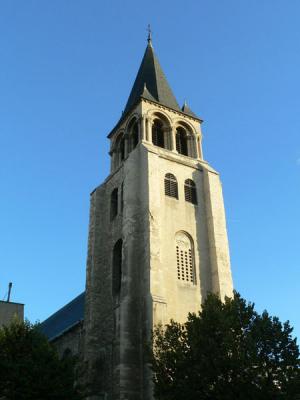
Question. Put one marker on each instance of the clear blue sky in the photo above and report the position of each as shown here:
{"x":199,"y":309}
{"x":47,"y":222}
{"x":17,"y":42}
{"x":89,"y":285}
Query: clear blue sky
{"x":66,"y":69}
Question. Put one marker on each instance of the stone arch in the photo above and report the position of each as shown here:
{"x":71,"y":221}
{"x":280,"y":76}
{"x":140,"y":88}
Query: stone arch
{"x":186,"y":139}
{"x":119,"y":147}
{"x":160,"y":113}
{"x":133,"y":117}
{"x":116,"y":138}
{"x":160,"y":129}
{"x":133,"y":132}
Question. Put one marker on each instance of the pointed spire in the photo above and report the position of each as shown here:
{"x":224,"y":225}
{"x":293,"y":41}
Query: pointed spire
{"x":151,"y":74}
{"x":186,"y":109}
{"x":146,"y":94}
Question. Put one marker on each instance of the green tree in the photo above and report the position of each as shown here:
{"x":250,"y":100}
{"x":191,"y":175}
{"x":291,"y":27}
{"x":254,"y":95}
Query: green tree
{"x":227,"y":352}
{"x":30,"y":367}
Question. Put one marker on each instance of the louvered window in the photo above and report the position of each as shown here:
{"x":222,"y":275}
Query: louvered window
{"x":185,"y":259}
{"x":181,"y":141}
{"x":171,"y":187}
{"x":158,"y":134}
{"x":190,"y":193}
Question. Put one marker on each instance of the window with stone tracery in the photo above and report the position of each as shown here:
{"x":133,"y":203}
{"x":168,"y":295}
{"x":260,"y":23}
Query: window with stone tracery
{"x":185,"y":258}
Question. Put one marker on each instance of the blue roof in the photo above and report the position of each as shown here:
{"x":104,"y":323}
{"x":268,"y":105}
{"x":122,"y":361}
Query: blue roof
{"x":65,"y":318}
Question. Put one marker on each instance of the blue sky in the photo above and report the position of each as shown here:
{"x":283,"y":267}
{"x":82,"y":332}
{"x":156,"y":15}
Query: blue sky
{"x":66,"y":71}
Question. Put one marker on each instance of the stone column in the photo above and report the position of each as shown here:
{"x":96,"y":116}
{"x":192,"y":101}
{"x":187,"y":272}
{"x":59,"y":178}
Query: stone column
{"x":199,"y":149}
{"x":189,"y":146}
{"x":173,"y":139}
{"x":142,"y":128}
{"x":217,"y":235}
{"x":195,"y":145}
{"x":126,"y":145}
{"x":192,"y":146}
{"x":167,"y":140}
{"x":149,"y":130}
{"x":112,"y":161}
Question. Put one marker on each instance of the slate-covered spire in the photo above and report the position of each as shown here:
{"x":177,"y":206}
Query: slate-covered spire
{"x":186,"y":109}
{"x":151,"y":76}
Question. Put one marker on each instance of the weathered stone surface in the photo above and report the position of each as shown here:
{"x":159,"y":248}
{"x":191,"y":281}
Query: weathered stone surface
{"x":148,"y":222}
{"x":9,"y":311}
{"x":70,"y":341}
{"x":173,"y":251}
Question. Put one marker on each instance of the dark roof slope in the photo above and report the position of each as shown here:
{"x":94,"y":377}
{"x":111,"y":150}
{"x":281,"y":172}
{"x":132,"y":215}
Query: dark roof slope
{"x":65,"y":318}
{"x":151,"y":74}
{"x":186,"y":109}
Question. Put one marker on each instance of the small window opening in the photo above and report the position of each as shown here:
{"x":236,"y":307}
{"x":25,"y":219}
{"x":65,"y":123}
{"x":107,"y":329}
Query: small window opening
{"x":134,"y":136}
{"x":114,"y":203}
{"x":190,"y":193}
{"x":158,"y":134}
{"x":122,"y":149}
{"x":181,"y":141}
{"x":171,"y":187}
{"x":117,"y":269}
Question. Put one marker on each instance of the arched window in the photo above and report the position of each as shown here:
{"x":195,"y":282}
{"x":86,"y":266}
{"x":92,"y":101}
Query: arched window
{"x":190,"y":193}
{"x":185,"y":258}
{"x":122,"y":149}
{"x":171,"y":186}
{"x":117,"y":269}
{"x":158,"y":133}
{"x":134,"y":135}
{"x":181,"y":141}
{"x":114,"y":203}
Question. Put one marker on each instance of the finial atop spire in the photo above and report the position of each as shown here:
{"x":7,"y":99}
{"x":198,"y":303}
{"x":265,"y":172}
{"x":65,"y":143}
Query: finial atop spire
{"x":149,"y":34}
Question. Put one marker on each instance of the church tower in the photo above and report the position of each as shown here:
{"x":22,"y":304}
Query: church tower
{"x":157,"y":236}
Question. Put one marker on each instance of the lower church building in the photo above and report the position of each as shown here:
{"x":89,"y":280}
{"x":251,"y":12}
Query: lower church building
{"x":157,"y":241}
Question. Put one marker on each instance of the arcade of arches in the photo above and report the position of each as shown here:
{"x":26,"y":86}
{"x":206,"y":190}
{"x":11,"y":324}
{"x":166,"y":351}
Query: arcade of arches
{"x":159,"y":132}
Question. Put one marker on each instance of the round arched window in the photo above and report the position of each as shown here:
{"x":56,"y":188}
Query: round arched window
{"x":158,"y":133}
{"x":181,"y":141}
{"x":171,"y":187}
{"x":190,"y":193}
{"x":185,"y":258}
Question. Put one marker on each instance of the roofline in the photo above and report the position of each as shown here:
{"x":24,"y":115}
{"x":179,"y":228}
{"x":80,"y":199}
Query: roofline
{"x":11,"y":302}
{"x":150,"y":101}
{"x":69,"y":328}
{"x":60,"y":309}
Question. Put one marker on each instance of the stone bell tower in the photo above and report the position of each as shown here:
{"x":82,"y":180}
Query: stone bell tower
{"x":157,"y":236}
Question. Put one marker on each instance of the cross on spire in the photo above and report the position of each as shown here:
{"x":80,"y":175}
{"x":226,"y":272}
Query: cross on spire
{"x":149,"y":34}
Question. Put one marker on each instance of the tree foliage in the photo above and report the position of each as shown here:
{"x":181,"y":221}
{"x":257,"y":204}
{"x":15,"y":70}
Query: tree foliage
{"x":228,"y":351}
{"x":30,"y":367}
